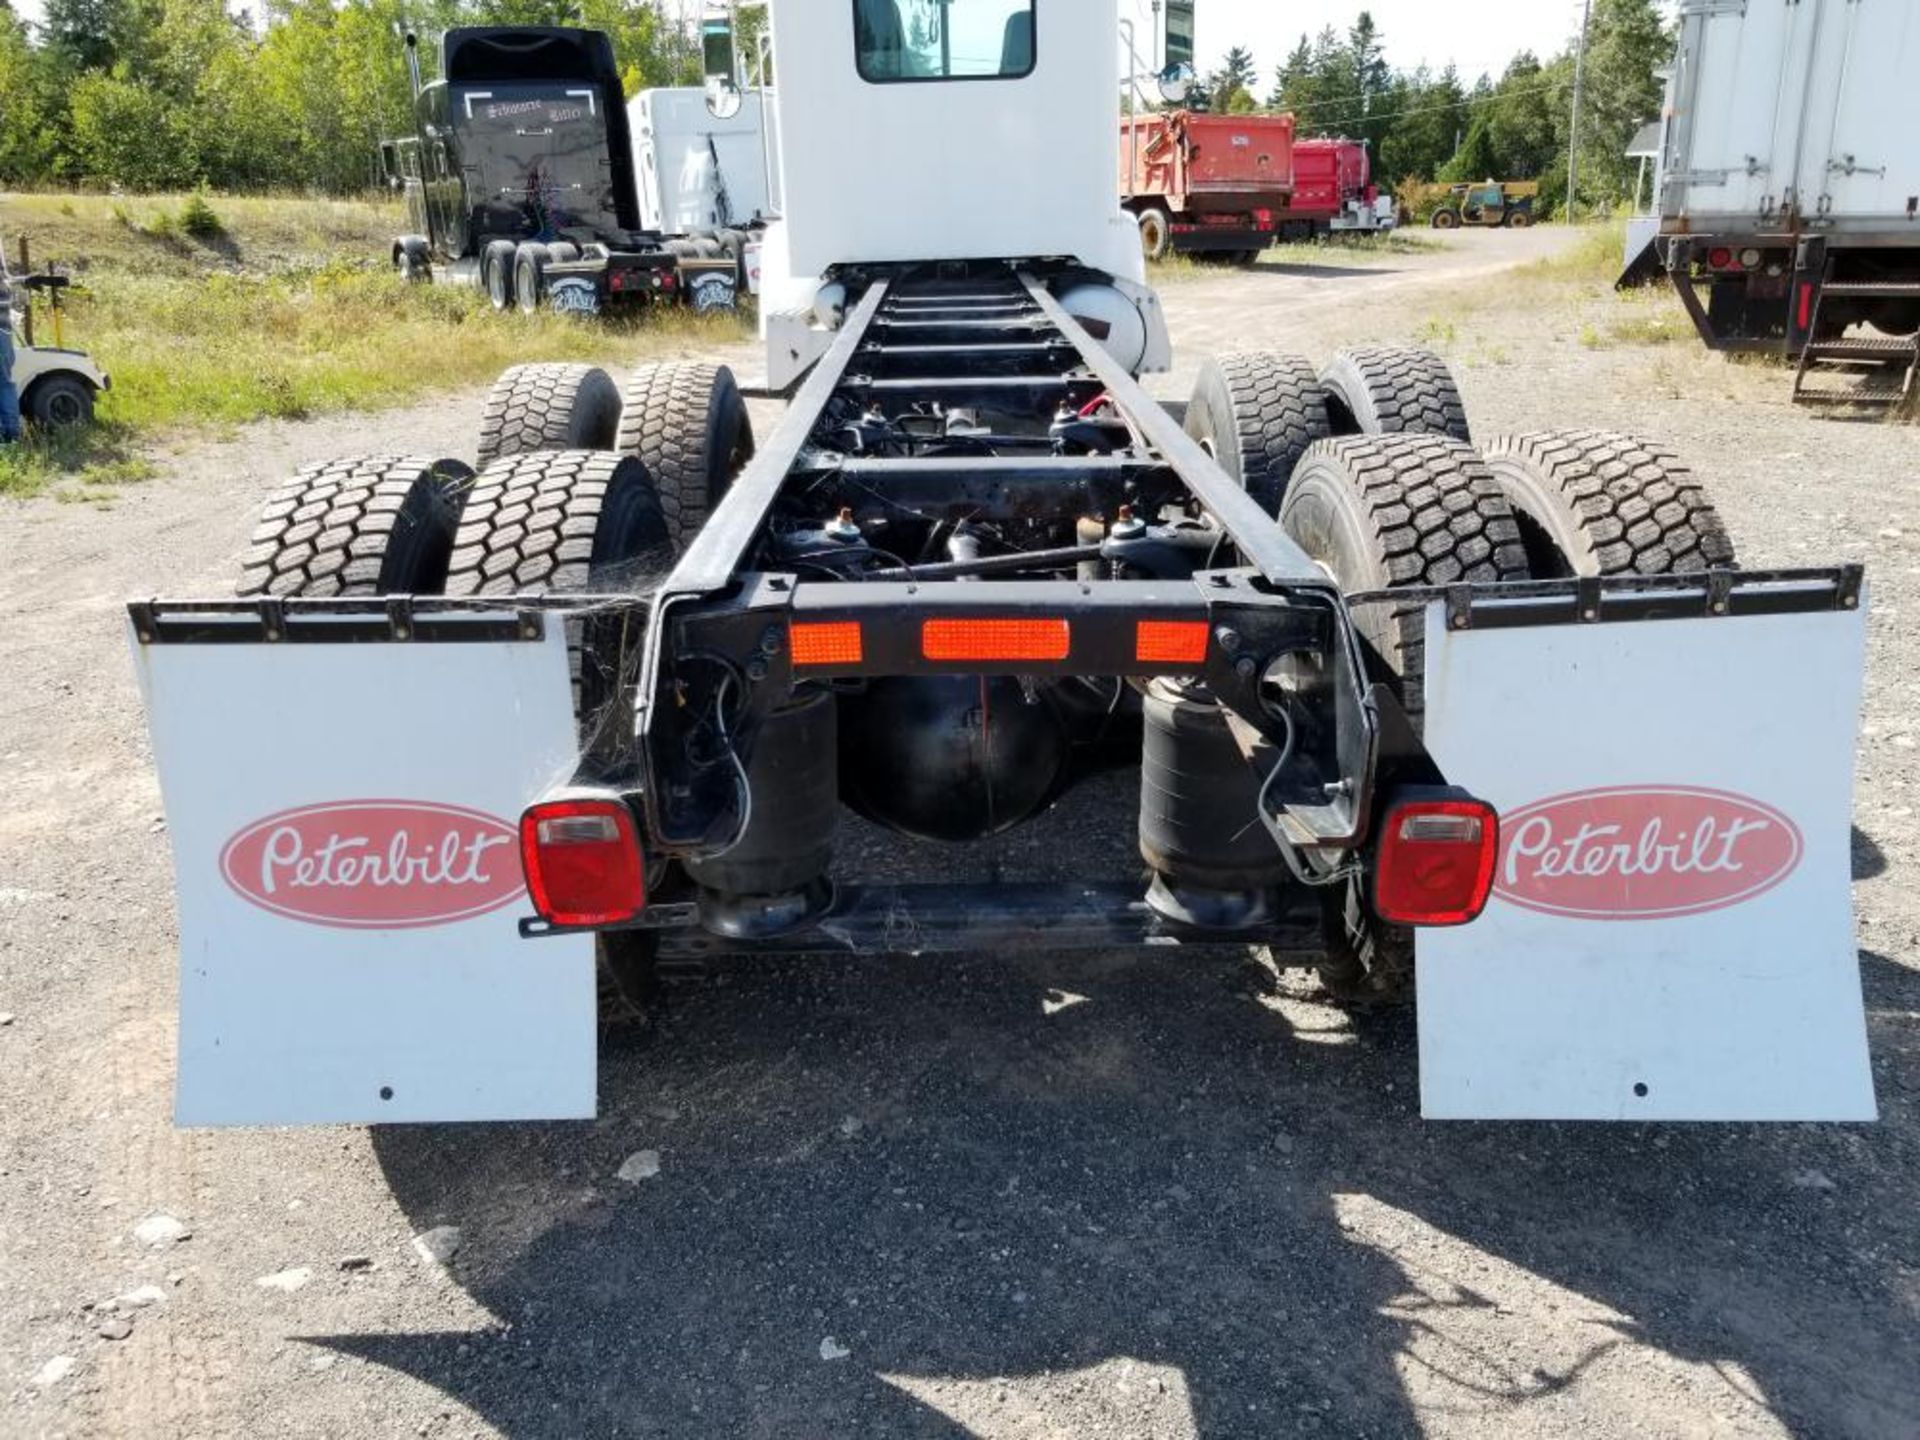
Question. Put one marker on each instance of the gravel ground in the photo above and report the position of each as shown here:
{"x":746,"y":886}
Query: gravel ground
{"x":1054,"y":1196}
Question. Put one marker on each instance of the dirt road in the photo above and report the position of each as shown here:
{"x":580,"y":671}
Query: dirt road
{"x":1045,"y":1198}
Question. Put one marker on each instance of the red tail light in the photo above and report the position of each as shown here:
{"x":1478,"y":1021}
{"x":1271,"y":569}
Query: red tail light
{"x":1171,"y":642}
{"x":583,"y":862}
{"x":1436,"y":861}
{"x":989,"y":640}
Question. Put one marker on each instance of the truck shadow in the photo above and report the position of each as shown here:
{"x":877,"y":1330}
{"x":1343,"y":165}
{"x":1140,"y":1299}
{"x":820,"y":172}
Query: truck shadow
{"x":1217,"y":1198}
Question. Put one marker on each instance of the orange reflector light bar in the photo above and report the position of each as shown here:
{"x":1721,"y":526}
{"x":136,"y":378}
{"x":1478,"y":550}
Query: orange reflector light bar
{"x":1171,"y":642}
{"x":1028,"y":640}
{"x":835,"y":643}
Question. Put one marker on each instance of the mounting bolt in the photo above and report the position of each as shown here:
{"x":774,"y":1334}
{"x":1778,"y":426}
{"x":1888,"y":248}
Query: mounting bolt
{"x":756,"y":670}
{"x":771,"y":640}
{"x":1229,"y":639}
{"x":1245,"y":668}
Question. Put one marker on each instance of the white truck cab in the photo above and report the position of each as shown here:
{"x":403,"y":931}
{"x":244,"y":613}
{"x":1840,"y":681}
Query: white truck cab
{"x":914,"y":131}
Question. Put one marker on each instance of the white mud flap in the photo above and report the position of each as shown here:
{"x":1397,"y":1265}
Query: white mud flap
{"x":344,"y":819}
{"x":1671,"y":935}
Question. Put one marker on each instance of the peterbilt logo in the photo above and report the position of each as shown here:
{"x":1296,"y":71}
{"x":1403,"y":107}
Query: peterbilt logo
{"x":376,"y":864}
{"x":1650,"y":852}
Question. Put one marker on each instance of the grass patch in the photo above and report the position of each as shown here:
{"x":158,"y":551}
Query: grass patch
{"x":74,"y":464}
{"x":225,"y":349}
{"x":1357,"y":251}
{"x":1337,"y":251}
{"x":167,"y":234}
{"x":215,"y":311}
{"x":1596,"y":258}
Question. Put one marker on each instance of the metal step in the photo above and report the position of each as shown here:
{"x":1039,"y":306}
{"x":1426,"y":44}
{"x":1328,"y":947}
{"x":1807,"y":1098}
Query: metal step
{"x":1862,"y":396}
{"x":1892,"y":364}
{"x":1867,"y":389}
{"x":1878,"y":349}
{"x":1886,"y":288}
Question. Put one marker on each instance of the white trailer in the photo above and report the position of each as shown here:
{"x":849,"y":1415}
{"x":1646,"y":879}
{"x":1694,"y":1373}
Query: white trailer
{"x":1790,"y":181}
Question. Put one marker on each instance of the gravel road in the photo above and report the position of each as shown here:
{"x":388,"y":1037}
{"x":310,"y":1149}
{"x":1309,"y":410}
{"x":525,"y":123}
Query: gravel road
{"x":1052,"y":1197}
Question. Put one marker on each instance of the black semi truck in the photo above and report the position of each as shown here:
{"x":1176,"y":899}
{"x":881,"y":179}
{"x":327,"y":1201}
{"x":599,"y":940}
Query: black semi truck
{"x":519,"y":177}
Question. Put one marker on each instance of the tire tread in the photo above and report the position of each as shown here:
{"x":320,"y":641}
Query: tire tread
{"x":1635,"y":504}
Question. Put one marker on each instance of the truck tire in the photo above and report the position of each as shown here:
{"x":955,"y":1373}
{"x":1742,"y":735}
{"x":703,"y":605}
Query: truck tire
{"x":687,"y":423}
{"x":1393,"y":390}
{"x":58,"y":402}
{"x":1386,"y":512}
{"x":1156,"y":232}
{"x":530,"y":277}
{"x":1593,"y":503}
{"x":561,"y":521}
{"x":1257,"y":412}
{"x":1444,"y":219}
{"x":1518,"y":219}
{"x":413,"y":259}
{"x":1390,"y":512}
{"x":496,"y":273}
{"x":379,"y":525}
{"x":549,"y":407}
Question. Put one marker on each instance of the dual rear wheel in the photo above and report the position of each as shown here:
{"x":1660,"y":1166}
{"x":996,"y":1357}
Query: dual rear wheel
{"x":1368,"y":466}
{"x":581,"y":490}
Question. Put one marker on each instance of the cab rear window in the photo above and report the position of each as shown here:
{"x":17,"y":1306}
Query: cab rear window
{"x":909,"y":40}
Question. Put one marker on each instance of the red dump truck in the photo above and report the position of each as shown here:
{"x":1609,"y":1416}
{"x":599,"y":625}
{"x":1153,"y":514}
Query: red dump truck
{"x":1216,"y":184}
{"x":1333,"y":190}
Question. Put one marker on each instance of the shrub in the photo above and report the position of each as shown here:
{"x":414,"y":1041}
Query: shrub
{"x":199,"y":219}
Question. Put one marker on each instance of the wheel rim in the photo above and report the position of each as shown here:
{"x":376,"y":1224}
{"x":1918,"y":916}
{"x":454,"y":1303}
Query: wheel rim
{"x":64,"y":408}
{"x":1153,"y":236}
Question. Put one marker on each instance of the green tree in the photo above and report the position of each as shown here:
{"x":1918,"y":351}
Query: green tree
{"x":1237,"y":72}
{"x":1525,"y":127}
{"x":31,"y":116}
{"x":94,"y":34}
{"x":1627,"y":42}
{"x":1430,"y":120}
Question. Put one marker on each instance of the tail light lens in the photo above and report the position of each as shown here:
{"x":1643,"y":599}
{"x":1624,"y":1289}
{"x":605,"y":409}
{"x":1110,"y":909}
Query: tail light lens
{"x":583,"y":863}
{"x":1436,"y":861}
{"x":991,"y":640}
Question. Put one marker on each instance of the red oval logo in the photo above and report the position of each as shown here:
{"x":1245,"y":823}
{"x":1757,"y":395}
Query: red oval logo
{"x":376,"y":864}
{"x":1649,"y":852}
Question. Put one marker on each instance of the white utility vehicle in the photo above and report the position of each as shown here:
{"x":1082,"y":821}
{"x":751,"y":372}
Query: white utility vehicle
{"x":1497,"y":727}
{"x":57,"y":384}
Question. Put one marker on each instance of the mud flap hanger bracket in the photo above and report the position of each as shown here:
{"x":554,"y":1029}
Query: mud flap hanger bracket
{"x":1619,"y":599}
